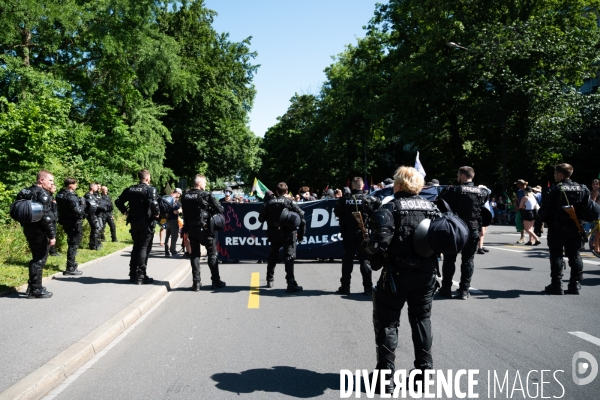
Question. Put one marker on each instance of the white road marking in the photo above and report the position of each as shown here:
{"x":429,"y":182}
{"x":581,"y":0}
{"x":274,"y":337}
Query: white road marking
{"x":585,"y":336}
{"x":597,"y":263}
{"x":57,"y":390}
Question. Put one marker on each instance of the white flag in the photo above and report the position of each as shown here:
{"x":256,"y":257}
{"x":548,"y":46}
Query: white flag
{"x":419,"y":166}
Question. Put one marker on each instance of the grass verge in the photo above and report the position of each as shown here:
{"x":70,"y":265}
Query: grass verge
{"x":15,"y":254}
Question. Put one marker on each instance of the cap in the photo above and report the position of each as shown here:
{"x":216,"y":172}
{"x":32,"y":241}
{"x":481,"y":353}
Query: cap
{"x":537,"y":189}
{"x":178,"y":190}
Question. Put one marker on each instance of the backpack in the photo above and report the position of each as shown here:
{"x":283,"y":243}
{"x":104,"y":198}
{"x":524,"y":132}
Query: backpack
{"x":26,"y":211}
{"x":165,"y":204}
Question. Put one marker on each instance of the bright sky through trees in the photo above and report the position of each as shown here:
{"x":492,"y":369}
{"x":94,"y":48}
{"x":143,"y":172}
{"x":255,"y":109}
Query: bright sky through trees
{"x":295,"y":40}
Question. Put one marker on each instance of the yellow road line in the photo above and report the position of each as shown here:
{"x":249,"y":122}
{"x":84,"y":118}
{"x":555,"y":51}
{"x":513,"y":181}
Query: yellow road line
{"x":254,"y":297}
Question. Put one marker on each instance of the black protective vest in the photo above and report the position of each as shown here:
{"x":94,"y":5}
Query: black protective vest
{"x":196,"y":210}
{"x":562,"y":194}
{"x":66,"y":202}
{"x":352,"y":202}
{"x":408,"y":213}
{"x":466,"y":201}
{"x":142,"y":201}
{"x":274,"y":207}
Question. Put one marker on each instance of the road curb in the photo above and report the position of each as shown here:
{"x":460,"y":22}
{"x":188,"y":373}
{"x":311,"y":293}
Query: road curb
{"x":23,"y":287}
{"x":41,"y":381}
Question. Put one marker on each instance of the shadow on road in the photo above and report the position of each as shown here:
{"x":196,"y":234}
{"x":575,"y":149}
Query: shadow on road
{"x":289,"y":381}
{"x":90,"y":280}
{"x":507,"y":294}
{"x":590,"y":282}
{"x":510,"y":268}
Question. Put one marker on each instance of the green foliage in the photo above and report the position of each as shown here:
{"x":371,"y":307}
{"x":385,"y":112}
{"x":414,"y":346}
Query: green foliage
{"x":402,"y":89}
{"x":99,"y":89}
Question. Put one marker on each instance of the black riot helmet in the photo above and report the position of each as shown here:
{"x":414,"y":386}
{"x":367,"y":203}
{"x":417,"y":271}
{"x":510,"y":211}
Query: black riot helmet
{"x":382,"y":228}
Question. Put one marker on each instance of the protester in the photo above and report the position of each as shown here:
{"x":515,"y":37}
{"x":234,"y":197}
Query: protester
{"x":521,"y":184}
{"x":527,"y":207}
{"x":538,"y":225}
{"x":595,"y":194}
{"x":502,"y":211}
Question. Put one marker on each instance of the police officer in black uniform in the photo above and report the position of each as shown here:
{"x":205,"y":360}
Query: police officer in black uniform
{"x":280,"y":234}
{"x":91,"y":208}
{"x":466,"y":201}
{"x":71,"y":211}
{"x":108,"y":217}
{"x":198,"y":208}
{"x":39,"y":234}
{"x":563,"y":231}
{"x":54,"y":216}
{"x":100,"y":212}
{"x":355,"y":201}
{"x":140,"y":204}
{"x":408,"y":277}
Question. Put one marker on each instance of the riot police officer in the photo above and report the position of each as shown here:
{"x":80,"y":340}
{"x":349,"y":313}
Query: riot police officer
{"x":108,"y":217}
{"x":140,"y":204}
{"x":91,"y":209}
{"x":345,"y":209}
{"x":71,"y":211}
{"x":54,"y":216}
{"x":199,"y":206}
{"x":285,"y":225}
{"x":39,"y":234}
{"x":466,"y":201}
{"x":563,"y":231}
{"x":100,"y":212}
{"x":408,"y":277}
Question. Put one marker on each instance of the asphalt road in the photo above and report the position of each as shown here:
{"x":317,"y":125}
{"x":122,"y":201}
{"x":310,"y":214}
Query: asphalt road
{"x":211,"y":345}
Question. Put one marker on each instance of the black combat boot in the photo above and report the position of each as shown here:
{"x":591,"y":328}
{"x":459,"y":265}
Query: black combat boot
{"x":270,"y":283}
{"x":344,"y":289}
{"x":72,"y":271}
{"x":446,"y":292}
{"x":555,"y":287}
{"x":196,"y":286}
{"x":462,"y":294}
{"x":39,"y":292}
{"x":385,"y":360}
{"x":293,"y":287}
{"x":573,"y":288}
{"x":218,"y":284}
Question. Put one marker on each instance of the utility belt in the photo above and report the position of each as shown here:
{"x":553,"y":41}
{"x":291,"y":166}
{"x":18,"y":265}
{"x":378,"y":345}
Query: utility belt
{"x":412,"y":262}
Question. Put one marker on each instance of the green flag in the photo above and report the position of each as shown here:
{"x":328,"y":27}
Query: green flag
{"x":259,"y":188}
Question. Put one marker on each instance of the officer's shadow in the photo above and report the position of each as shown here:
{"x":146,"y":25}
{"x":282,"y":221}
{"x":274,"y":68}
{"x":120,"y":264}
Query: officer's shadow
{"x":282,"y":292}
{"x":290,"y":381}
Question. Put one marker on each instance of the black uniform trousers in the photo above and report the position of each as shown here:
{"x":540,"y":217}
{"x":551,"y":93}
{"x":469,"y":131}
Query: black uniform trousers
{"x":570,"y":240}
{"x":142,"y":232}
{"x":94,"y":231}
{"x":201,"y":236}
{"x":108,"y":219}
{"x":467,"y":265}
{"x":282,"y":238}
{"x":38,"y":244}
{"x":74,"y":232}
{"x":415,"y":287}
{"x":352,"y":244}
{"x":101,"y":225}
